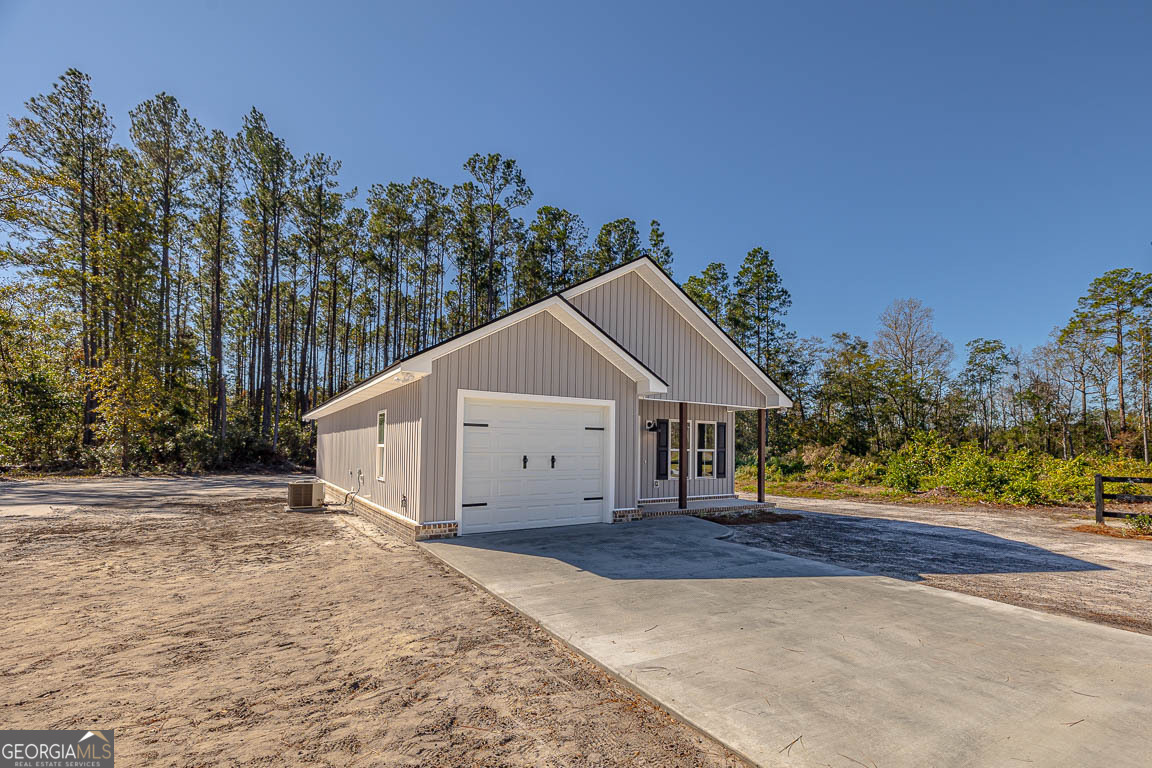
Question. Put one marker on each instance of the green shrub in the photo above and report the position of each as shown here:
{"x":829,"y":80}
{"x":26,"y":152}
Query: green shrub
{"x":920,"y":458}
{"x":972,"y":473}
{"x":784,"y":467}
{"x":1021,"y":473}
{"x":903,"y":472}
{"x":1141,"y":524}
{"x":1066,"y":480}
{"x":864,"y":471}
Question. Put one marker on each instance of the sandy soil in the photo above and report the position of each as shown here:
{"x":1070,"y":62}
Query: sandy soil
{"x":235,"y":634}
{"x":1032,"y":557}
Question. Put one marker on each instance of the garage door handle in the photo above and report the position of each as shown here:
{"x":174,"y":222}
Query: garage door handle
{"x":553,"y":462}
{"x":525,"y":460}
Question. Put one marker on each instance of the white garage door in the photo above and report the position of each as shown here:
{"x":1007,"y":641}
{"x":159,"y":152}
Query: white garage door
{"x":532,"y":464}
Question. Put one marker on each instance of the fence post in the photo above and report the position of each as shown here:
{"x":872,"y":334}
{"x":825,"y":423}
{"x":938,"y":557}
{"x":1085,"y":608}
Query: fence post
{"x":1099,"y":499}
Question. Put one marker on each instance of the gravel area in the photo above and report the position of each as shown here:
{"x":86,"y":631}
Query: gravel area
{"x":1029,"y":557}
{"x":233,"y":633}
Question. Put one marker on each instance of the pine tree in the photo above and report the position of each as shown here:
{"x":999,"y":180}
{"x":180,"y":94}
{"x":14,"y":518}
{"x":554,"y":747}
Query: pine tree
{"x":166,"y":138}
{"x":712,"y":290}
{"x":500,"y":189}
{"x":65,"y":141}
{"x":657,"y":248}
{"x":214,"y":195}
{"x":617,"y":242}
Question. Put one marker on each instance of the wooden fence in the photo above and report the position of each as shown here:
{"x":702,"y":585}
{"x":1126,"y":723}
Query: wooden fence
{"x":1101,"y":513}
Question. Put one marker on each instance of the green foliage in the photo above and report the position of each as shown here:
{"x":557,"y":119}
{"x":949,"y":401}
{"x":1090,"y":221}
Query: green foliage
{"x":921,"y":457}
{"x":903,"y":473}
{"x":1067,"y":479}
{"x":1140,"y":524}
{"x":926,"y":463}
{"x":864,"y":471}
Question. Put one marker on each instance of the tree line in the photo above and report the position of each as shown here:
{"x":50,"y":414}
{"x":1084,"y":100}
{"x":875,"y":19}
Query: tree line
{"x":1085,"y":390}
{"x":182,"y":299}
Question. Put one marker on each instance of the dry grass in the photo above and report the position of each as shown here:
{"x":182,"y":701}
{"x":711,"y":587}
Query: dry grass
{"x":1116,"y":532}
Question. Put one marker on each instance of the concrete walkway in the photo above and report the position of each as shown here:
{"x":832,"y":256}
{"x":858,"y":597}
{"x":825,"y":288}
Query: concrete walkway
{"x":794,"y":662}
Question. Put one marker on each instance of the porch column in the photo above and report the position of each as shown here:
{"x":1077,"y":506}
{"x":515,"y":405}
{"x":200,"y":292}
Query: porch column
{"x":682,"y":481}
{"x":760,"y":415}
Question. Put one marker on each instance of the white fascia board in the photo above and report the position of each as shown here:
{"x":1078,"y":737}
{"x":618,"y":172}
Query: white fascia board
{"x":607,"y":277}
{"x":394,"y":378}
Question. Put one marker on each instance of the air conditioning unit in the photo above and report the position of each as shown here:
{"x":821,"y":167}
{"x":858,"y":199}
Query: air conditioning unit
{"x":305,"y":494}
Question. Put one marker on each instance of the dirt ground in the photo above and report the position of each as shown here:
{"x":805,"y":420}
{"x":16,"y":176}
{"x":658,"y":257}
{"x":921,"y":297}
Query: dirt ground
{"x":234,"y":634}
{"x":1031,"y":557}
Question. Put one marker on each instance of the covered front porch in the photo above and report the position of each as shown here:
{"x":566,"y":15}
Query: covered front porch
{"x":687,"y":462}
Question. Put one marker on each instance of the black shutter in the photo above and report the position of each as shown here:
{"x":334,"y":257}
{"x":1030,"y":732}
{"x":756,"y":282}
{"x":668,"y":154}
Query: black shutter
{"x":722,"y":449}
{"x":661,"y":449}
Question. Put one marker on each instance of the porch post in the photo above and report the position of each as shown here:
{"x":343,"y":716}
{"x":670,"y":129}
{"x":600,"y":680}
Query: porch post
{"x":760,"y":455}
{"x":682,"y":481}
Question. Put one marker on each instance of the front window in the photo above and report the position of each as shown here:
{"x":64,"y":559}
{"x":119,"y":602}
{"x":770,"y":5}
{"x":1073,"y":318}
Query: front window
{"x":674,"y":447}
{"x":706,"y":449}
{"x":381,"y":444}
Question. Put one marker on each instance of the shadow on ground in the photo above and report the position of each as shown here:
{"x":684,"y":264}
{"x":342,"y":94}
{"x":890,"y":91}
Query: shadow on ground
{"x":904,"y":549}
{"x":816,"y":545}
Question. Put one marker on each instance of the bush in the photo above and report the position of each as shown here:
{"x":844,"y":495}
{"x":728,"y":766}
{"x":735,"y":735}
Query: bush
{"x":1064,"y":480}
{"x":926,"y":462}
{"x":1021,"y":472}
{"x":864,"y":471}
{"x":1141,"y":524}
{"x":903,"y":472}
{"x":918,"y":459}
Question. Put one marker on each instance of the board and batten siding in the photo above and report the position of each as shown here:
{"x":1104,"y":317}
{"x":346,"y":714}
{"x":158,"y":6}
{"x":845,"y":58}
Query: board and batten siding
{"x":637,"y":317}
{"x":346,"y":441}
{"x":697,"y":486}
{"x":537,"y":356}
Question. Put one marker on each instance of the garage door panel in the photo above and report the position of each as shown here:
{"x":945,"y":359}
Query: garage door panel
{"x":591,"y":440}
{"x":477,"y":488}
{"x":507,"y":488}
{"x":478,"y":459}
{"x":477,"y":438}
{"x":541,"y":494}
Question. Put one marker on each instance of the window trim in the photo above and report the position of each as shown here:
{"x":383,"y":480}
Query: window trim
{"x":696,"y":462}
{"x":381,"y":447}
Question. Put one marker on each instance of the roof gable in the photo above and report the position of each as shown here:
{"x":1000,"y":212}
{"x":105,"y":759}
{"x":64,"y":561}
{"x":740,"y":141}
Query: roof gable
{"x":632,"y":332}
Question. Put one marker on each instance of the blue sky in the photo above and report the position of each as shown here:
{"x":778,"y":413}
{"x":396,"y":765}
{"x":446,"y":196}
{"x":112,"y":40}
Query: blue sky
{"x":987,"y":158}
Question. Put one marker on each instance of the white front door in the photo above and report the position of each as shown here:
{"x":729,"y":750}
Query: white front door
{"x":530,"y":464}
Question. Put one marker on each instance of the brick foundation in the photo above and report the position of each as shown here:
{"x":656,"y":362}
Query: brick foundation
{"x":629,"y":515}
{"x":670,"y":499}
{"x":400,"y":527}
{"x":411,"y":531}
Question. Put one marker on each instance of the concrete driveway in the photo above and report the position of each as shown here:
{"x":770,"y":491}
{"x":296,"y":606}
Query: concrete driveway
{"x":795,"y":662}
